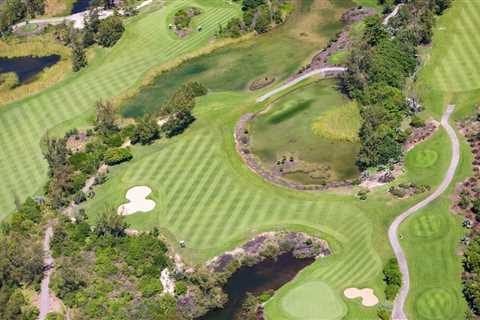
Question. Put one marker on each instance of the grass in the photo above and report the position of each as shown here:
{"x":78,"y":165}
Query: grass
{"x":277,"y":54}
{"x":205,"y":194}
{"x":112,"y":72}
{"x":312,"y":300}
{"x":58,"y":8}
{"x":341,"y":123}
{"x":432,"y":236}
{"x":339,"y":58}
{"x":297,"y":124}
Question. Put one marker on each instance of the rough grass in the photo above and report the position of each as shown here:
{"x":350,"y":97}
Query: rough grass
{"x":339,"y":57}
{"x":144,"y":45}
{"x":56,"y":8}
{"x":292,"y":126}
{"x":341,"y":123}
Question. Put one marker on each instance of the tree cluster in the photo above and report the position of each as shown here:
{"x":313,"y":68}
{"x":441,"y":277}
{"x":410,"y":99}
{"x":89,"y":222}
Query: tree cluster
{"x":471,"y":278}
{"x":259,"y":16}
{"x":14,"y":11}
{"x":21,"y":261}
{"x":105,"y":274}
{"x":377,"y":70}
{"x":392,"y":278}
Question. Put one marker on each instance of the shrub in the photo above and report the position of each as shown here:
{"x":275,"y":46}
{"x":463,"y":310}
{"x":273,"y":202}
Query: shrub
{"x":180,"y":288}
{"x":417,"y":122}
{"x":110,"y":31}
{"x":150,"y":286}
{"x":392,"y":278}
{"x":145,"y":131}
{"x":117,"y":155}
{"x":177,"y":123}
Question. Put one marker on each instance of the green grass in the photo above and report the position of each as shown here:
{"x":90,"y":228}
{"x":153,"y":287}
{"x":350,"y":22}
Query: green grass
{"x":29,"y":27}
{"x":205,"y":194}
{"x":144,"y":45}
{"x":432,"y":236}
{"x":340,"y":123}
{"x":312,"y":300}
{"x":295,"y":124}
{"x":339,"y":57}
{"x":278,"y":54}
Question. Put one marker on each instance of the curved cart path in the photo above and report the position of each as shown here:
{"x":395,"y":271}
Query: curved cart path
{"x":322,"y":71}
{"x":398,"y":312}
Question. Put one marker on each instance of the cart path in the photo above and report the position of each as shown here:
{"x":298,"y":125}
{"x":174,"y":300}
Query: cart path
{"x":398,"y":306}
{"x":48,"y":270}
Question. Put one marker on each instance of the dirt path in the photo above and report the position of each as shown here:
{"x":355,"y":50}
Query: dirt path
{"x":398,"y":312}
{"x":322,"y":71}
{"x":48,"y":266}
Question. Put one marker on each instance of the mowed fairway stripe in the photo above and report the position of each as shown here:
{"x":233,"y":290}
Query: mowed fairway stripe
{"x":144,"y":45}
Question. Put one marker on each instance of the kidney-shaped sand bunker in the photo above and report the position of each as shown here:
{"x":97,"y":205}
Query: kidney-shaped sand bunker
{"x":138,"y":202}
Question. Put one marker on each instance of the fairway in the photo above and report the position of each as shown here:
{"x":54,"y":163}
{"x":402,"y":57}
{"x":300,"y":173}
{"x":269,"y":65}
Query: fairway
{"x":455,"y":59}
{"x":23,"y":123}
{"x":313,"y":300}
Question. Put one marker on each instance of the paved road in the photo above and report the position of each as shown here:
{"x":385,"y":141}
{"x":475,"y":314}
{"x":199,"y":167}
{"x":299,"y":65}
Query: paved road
{"x":48,"y":265}
{"x":398,"y":312}
{"x":301,"y":78}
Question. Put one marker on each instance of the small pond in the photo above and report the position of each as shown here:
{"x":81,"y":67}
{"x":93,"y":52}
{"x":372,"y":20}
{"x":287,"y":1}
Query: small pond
{"x":27,"y":67}
{"x":269,"y":274}
{"x":81,"y":5}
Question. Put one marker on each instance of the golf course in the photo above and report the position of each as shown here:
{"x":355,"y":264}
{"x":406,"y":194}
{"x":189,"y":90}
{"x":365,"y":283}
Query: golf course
{"x":201,"y":194}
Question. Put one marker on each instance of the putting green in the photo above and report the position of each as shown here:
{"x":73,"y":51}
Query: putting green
{"x":425,"y":158}
{"x":313,"y":300}
{"x":436,"y":303}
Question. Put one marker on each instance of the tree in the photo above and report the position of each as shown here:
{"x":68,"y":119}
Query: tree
{"x":92,"y":22}
{"x":110,"y":31}
{"x":177,"y":123}
{"x":375,"y":31}
{"x":392,"y":278}
{"x":56,"y":153}
{"x":110,"y":223}
{"x":105,"y":118}
{"x":79,"y":60}
{"x":146,"y":131}
{"x":35,"y":7}
{"x":263,"y":22}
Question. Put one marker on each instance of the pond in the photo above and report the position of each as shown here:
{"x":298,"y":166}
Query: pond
{"x":80,"y":6}
{"x":269,"y":274}
{"x":27,"y":67}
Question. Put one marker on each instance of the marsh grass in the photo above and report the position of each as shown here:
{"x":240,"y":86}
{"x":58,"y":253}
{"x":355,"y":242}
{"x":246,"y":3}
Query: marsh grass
{"x":341,"y":123}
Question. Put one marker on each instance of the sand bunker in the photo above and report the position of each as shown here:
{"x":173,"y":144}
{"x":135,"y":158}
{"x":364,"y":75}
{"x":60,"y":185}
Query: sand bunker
{"x":369,"y":299}
{"x":138,"y":202}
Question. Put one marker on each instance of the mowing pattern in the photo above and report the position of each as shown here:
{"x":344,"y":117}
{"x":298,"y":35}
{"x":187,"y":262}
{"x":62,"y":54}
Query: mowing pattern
{"x":426,"y":225}
{"x":457,"y":63}
{"x":207,"y":203}
{"x":436,"y":304}
{"x":145,"y":44}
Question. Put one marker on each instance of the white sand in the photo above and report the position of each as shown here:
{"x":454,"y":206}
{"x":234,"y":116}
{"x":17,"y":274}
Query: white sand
{"x":138,"y":202}
{"x":369,"y":299}
{"x":167,"y":281}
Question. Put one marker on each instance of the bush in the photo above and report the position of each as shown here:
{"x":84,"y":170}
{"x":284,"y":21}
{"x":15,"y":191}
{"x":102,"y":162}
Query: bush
{"x":177,"y":123}
{"x":180,"y":288}
{"x":417,"y":122}
{"x":110,"y":31}
{"x":392,"y":278}
{"x":150,"y":286}
{"x":117,"y":155}
{"x":146,"y":131}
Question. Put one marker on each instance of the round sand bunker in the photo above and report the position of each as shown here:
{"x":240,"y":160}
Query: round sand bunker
{"x":137,"y":201}
{"x":369,"y":299}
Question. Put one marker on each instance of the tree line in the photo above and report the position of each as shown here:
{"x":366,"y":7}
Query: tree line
{"x":377,"y":71}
